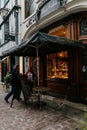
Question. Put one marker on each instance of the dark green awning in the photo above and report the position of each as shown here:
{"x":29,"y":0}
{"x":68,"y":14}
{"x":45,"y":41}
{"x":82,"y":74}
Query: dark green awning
{"x":45,"y":43}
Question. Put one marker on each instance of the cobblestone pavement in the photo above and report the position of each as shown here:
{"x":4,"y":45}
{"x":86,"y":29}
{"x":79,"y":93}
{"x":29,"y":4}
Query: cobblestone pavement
{"x":32,"y":118}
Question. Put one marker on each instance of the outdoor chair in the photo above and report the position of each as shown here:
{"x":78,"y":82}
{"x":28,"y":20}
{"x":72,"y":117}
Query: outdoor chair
{"x":27,"y":94}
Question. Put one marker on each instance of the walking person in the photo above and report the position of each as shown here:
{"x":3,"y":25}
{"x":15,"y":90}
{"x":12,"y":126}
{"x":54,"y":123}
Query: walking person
{"x":15,"y":84}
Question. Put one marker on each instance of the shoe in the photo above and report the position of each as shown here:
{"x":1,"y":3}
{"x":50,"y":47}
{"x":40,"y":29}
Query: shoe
{"x":6,"y":100}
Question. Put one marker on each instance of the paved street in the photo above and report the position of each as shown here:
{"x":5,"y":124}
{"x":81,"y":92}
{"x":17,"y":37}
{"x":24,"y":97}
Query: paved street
{"x":32,"y":118}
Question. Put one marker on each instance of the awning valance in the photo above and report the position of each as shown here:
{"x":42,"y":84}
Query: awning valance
{"x":45,"y":43}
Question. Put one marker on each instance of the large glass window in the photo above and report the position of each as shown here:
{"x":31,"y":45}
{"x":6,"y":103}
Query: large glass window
{"x":83,"y":27}
{"x":30,"y":6}
{"x":57,"y":65}
{"x":84,"y":65}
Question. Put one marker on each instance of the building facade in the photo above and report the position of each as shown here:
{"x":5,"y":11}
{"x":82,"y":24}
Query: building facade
{"x":63,"y":18}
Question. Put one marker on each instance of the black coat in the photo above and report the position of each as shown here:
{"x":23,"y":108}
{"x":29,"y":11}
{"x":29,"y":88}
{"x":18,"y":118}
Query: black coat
{"x":15,"y":82}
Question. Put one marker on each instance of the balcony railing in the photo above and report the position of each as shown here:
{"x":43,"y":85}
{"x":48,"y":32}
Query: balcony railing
{"x":45,"y":8}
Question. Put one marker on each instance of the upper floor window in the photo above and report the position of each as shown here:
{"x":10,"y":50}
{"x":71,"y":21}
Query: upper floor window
{"x":30,"y":6}
{"x":5,"y":1}
{"x":8,"y":36}
{"x":6,"y":26}
{"x":83,"y":27}
{"x":6,"y":29}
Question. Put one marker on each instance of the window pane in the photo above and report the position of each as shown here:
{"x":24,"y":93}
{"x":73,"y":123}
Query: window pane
{"x":84,"y":65}
{"x":57,"y":65}
{"x":83,"y":27}
{"x":30,"y":6}
{"x":26,"y":8}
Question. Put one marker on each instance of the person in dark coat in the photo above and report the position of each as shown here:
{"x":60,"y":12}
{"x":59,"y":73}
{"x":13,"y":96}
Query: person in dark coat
{"x":15,"y":85}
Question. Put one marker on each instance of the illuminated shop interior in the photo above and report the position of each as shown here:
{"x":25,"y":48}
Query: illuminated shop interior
{"x":57,"y":65}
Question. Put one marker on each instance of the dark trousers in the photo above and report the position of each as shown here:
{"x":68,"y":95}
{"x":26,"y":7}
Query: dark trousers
{"x":9,"y":94}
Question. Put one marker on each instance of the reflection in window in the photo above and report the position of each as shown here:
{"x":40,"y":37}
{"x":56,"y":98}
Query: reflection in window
{"x":6,"y":26}
{"x":30,"y":6}
{"x":84,"y":65}
{"x":26,"y":8}
{"x":57,"y":65}
{"x":83,"y":27}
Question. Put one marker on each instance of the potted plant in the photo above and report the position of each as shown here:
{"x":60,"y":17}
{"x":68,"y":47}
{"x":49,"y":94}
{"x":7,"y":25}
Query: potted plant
{"x":7,"y":80}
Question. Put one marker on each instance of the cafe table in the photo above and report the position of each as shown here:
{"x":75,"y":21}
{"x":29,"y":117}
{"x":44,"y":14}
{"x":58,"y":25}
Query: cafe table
{"x":39,"y":91}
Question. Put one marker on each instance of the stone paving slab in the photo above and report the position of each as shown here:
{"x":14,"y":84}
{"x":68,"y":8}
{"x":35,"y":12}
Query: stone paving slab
{"x":21,"y":117}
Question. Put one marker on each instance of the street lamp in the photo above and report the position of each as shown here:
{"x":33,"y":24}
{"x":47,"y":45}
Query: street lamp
{"x":4,"y":12}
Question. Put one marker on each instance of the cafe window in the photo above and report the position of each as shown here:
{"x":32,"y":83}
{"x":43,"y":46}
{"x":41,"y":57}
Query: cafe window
{"x":57,"y":65}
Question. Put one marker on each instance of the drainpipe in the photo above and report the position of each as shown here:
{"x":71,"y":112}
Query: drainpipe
{"x":16,"y":23}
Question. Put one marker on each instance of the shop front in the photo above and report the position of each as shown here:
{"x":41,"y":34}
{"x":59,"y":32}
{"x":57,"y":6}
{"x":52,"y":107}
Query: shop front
{"x":64,"y":73}
{"x":57,"y":63}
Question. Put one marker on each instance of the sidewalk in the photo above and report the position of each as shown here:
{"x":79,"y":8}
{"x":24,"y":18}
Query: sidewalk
{"x":48,"y":118}
{"x":60,"y":102}
{"x":75,"y":111}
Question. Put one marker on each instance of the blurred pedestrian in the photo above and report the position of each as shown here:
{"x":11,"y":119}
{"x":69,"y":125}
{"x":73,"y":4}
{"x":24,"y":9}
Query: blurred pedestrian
{"x":15,"y":84}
